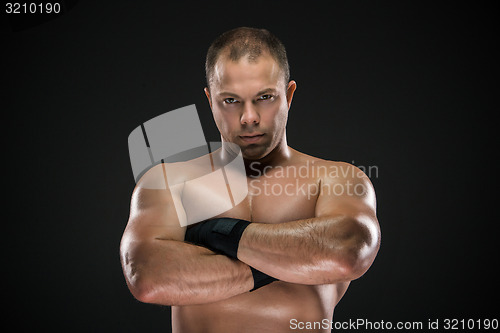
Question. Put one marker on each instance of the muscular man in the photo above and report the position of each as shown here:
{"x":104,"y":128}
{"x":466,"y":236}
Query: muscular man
{"x":311,"y":223}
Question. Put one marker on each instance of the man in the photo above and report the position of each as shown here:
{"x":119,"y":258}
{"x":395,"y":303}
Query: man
{"x":306,"y":228}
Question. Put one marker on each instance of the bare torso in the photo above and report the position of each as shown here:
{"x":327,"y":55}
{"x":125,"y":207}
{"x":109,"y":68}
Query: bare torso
{"x":281,"y":195}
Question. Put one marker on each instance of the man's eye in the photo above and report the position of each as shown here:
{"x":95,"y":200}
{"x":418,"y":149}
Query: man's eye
{"x":230,"y":100}
{"x":265,"y":97}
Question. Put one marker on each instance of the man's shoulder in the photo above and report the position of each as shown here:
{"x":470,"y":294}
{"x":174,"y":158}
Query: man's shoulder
{"x":341,"y":179}
{"x":165,"y":174}
{"x":329,"y":168}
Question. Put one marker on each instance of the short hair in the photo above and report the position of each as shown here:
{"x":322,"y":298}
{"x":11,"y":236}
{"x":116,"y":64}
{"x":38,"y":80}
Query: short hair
{"x":246,"y":41}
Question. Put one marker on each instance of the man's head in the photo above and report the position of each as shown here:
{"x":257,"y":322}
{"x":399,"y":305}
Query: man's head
{"x":248,"y":89}
{"x":246,"y":42}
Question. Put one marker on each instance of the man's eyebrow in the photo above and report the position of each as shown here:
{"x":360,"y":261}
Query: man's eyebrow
{"x":227,"y":93}
{"x":264,"y":91}
{"x":268,"y":90}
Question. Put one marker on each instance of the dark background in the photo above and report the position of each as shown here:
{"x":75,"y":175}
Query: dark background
{"x":407,"y":87}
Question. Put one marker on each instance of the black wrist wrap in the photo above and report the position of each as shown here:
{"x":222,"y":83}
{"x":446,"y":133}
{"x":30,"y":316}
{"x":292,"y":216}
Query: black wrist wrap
{"x":220,"y":235}
{"x":260,"y":279}
{"x":223,"y":235}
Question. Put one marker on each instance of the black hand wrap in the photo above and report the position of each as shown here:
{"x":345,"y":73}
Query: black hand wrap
{"x":223,"y":235}
{"x":219,"y":235}
{"x":260,"y":279}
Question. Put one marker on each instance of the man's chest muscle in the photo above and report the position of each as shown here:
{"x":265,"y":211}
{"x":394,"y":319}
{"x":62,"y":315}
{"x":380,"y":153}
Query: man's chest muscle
{"x":277,"y":200}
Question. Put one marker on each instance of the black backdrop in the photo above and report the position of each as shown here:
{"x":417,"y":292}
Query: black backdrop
{"x":403,"y":87}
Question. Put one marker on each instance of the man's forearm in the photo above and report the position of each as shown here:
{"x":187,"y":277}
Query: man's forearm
{"x":309,"y":251}
{"x":171,"y":272}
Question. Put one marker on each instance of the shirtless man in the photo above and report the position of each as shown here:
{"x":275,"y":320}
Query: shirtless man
{"x":313,"y":223}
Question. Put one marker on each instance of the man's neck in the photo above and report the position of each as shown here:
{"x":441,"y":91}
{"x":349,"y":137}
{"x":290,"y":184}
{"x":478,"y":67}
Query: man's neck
{"x":278,"y":156}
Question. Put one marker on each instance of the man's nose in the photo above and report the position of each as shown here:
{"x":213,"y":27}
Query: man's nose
{"x":250,"y":115}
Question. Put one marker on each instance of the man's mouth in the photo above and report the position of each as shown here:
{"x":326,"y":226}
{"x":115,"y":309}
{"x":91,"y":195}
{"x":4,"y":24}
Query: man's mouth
{"x":251,"y":138}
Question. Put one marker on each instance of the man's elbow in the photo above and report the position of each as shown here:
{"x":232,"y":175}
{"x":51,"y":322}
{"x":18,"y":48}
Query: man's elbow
{"x":146,"y":290}
{"x":357,"y":255}
{"x":146,"y":293}
{"x":363,"y":258}
{"x":141,"y":291}
{"x":359,"y":264}
{"x":140,"y":280}
{"x":138,"y":284}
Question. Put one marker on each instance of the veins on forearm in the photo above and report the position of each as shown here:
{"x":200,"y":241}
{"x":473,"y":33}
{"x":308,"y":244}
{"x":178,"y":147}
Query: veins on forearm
{"x":315,"y":250}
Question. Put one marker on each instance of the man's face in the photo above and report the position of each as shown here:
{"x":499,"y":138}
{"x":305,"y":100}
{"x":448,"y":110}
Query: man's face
{"x":250,"y":103}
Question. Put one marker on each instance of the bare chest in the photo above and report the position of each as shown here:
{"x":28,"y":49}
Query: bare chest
{"x":274,"y":199}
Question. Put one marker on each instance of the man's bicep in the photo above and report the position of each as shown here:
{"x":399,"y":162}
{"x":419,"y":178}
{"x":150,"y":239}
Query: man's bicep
{"x":351,"y":194}
{"x":157,"y":213}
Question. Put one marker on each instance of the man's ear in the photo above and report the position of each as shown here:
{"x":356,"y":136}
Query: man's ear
{"x":208,"y":96}
{"x":290,"y":90}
